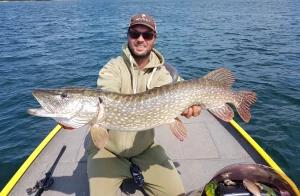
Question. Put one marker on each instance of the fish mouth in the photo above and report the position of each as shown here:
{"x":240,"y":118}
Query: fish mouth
{"x":46,"y":110}
{"x":41,"y":112}
{"x":50,"y":106}
{"x":41,"y":95}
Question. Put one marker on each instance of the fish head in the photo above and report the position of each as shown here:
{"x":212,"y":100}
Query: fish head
{"x":71,"y":107}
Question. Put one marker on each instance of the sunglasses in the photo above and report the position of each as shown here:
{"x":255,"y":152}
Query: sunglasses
{"x":146,"y":35}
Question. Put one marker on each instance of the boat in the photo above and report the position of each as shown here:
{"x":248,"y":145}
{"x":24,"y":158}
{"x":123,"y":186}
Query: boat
{"x":211,"y":146}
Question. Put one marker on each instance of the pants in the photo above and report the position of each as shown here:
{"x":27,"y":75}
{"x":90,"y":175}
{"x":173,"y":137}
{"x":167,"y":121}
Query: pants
{"x":106,"y":172}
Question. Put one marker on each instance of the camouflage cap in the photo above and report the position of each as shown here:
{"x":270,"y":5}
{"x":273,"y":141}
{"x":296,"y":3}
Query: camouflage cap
{"x":143,"y":19}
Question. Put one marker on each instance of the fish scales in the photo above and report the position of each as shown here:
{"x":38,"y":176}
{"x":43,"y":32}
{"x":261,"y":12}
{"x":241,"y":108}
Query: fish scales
{"x":161,"y":105}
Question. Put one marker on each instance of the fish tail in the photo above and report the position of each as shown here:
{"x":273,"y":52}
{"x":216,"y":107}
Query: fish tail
{"x":247,"y":98}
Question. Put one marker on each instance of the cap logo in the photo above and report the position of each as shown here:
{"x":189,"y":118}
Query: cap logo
{"x":144,"y":19}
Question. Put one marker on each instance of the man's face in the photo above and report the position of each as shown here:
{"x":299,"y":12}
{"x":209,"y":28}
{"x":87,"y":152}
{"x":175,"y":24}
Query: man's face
{"x":141,"y":44}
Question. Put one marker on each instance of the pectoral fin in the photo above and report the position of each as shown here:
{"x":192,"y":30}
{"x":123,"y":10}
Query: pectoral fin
{"x":178,"y":129}
{"x":223,"y":112}
{"x":99,"y":136}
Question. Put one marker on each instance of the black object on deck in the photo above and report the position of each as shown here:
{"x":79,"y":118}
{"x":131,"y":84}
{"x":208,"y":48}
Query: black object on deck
{"x":48,"y":181}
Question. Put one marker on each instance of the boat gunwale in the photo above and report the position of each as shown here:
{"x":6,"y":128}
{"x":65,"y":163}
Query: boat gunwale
{"x":21,"y":171}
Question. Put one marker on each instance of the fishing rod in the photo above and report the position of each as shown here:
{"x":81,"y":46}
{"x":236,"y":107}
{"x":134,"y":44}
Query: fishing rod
{"x":47,"y":182}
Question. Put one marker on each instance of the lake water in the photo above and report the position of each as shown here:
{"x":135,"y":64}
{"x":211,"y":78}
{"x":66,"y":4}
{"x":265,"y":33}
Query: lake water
{"x":65,"y":43}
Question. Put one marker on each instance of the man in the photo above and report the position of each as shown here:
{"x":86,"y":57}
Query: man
{"x":138,"y":69}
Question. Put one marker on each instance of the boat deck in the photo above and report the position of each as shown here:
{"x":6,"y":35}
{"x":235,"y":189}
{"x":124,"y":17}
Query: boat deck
{"x":210,"y":146}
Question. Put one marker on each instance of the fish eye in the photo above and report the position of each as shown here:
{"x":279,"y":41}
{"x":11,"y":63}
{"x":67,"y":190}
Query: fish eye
{"x":64,"y":94}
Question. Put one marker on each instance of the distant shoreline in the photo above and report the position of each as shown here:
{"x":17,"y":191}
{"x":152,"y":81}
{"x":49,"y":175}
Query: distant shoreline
{"x":21,"y":0}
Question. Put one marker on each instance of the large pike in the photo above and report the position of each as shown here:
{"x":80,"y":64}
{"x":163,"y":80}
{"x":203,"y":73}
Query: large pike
{"x":76,"y":107}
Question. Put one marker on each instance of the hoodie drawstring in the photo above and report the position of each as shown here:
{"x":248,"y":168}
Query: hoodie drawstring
{"x":150,"y":79}
{"x":134,"y":81}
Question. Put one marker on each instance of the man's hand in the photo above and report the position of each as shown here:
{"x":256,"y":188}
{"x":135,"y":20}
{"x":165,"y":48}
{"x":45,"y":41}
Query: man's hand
{"x":192,"y":111}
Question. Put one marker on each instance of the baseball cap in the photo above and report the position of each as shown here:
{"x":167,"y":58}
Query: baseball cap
{"x":143,"y":19}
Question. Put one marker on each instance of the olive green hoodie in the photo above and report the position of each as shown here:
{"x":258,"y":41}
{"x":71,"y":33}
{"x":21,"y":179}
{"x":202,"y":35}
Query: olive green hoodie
{"x":123,"y":75}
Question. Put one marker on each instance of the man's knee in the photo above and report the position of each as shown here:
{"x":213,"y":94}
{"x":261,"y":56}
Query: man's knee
{"x":104,"y":186}
{"x":164,"y":179}
{"x":174,"y":190}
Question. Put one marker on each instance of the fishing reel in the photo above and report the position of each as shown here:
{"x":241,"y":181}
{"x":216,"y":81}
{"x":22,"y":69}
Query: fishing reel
{"x":43,"y":184}
{"x":47,"y":182}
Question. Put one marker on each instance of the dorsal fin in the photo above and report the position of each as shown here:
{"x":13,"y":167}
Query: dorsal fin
{"x":222,"y":75}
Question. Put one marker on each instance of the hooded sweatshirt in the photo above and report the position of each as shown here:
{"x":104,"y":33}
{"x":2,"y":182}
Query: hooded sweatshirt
{"x":123,"y":75}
